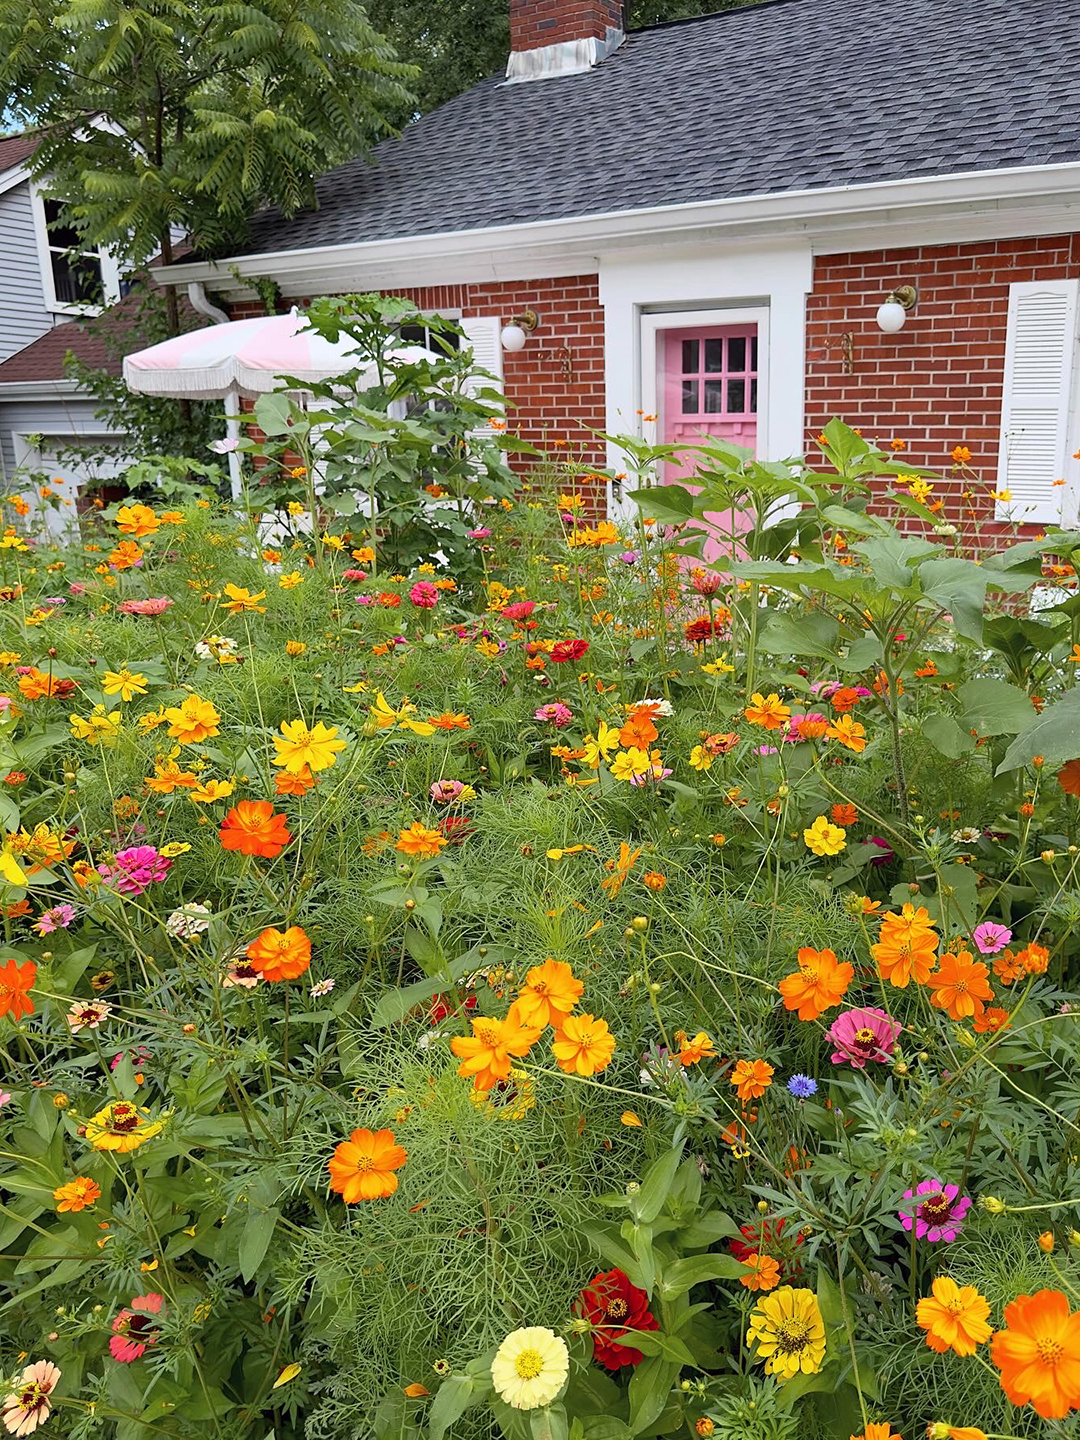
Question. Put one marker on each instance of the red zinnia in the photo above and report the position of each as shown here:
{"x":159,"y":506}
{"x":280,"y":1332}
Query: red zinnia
{"x":564,"y":650}
{"x":520,"y":610}
{"x":614,"y":1306}
{"x":698,"y":631}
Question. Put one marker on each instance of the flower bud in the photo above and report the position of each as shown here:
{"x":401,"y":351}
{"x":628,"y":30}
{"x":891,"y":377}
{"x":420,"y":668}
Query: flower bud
{"x":762,"y":1207}
{"x":1048,"y":856}
{"x":60,"y":1100}
{"x":1046,"y":1242}
{"x":654,"y":987}
{"x":640,"y":922}
{"x":900,"y":1068}
{"x":991,"y":1204}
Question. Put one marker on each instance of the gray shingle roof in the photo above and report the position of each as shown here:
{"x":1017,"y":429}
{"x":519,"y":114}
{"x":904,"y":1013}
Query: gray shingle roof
{"x":792,"y":95}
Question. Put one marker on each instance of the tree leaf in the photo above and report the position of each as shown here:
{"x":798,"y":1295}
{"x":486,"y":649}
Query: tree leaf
{"x":945,"y":735}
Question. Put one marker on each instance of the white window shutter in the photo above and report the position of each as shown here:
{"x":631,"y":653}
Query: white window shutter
{"x":1040,"y":349}
{"x":483,"y":334}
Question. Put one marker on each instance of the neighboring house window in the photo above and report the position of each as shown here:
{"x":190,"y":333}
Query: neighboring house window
{"x":432,"y":338}
{"x":76,"y":279}
{"x":1037,"y":403}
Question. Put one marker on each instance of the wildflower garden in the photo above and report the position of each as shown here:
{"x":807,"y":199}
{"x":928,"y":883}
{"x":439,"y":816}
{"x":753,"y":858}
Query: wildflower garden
{"x":475,"y":969}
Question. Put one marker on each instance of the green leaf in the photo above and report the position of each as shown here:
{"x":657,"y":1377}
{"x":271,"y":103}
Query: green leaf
{"x":664,"y":501}
{"x":605,"y":1427}
{"x":452,"y":1399}
{"x":945,"y":735}
{"x":958,"y":586}
{"x":603,"y":1240}
{"x":994,"y":707}
{"x":677,"y":1279}
{"x":255,"y":1241}
{"x":1055,"y":735}
{"x":707,"y":1229}
{"x":655,"y":1342}
{"x":647,"y":1203}
{"x":649,"y":1388}
{"x":808,"y":634}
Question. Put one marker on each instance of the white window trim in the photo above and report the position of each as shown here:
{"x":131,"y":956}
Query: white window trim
{"x":110,"y":269}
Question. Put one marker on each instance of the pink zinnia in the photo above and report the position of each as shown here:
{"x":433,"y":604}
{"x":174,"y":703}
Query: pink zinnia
{"x":132,"y":1331}
{"x":706,"y":584}
{"x":991,"y":937}
{"x":354,"y":574}
{"x":862,"y":1035}
{"x":480,"y":534}
{"x":144,"y":607}
{"x":136,"y":869}
{"x":424,"y":595}
{"x":556,"y":714}
{"x":795,"y":732}
{"x":444,"y":792}
{"x":940,"y":1216}
{"x":521,"y":610}
{"x":58,"y":918}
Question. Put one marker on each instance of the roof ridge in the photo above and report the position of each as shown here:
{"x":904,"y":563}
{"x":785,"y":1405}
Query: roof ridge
{"x":753,"y":5}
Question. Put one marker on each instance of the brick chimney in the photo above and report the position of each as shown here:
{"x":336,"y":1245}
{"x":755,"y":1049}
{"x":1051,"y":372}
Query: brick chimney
{"x":561,"y":37}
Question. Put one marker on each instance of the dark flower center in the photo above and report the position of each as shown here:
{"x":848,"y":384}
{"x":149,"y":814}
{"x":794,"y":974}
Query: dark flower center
{"x":617,"y":1309}
{"x":935,"y":1210}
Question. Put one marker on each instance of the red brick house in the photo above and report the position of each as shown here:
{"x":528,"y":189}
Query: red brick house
{"x":705,"y":217}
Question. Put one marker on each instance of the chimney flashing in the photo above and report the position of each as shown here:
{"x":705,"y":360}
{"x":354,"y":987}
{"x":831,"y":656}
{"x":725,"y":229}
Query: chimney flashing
{"x":566,"y":57}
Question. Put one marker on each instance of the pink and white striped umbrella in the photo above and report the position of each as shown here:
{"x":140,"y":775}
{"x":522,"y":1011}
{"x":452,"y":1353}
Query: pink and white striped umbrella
{"x":246,"y":356}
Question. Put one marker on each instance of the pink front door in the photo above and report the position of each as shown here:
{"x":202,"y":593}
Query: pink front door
{"x":708,"y":386}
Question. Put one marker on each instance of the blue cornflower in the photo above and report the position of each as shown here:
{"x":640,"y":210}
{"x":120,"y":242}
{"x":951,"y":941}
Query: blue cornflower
{"x":802,"y":1087}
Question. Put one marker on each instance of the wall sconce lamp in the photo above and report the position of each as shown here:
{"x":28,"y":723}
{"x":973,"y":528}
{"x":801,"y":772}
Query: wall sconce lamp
{"x":513,"y":334}
{"x":892,"y":314}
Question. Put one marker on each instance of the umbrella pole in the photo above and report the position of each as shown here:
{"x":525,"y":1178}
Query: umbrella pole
{"x":232,"y":432}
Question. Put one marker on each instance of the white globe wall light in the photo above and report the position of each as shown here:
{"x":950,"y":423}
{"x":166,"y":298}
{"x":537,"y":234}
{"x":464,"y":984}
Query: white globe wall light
{"x":892,"y":314}
{"x":514,"y":335}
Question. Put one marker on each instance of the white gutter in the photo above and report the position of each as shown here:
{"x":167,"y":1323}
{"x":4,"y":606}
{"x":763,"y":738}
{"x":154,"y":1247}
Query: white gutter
{"x":32,"y":389}
{"x":804,"y":209}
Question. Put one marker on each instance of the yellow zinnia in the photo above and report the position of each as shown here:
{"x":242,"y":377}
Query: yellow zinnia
{"x":120,"y":1126}
{"x":789,"y":1333}
{"x":316,"y":748}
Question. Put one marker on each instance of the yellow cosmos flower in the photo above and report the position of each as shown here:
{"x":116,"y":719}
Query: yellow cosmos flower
{"x":383,"y":716}
{"x":291,"y":581}
{"x":824,"y":838}
{"x":601,"y":746}
{"x":193,"y":721}
{"x":123,"y":683}
{"x":630,"y":764}
{"x":700,"y":758}
{"x":122,"y":1126}
{"x":98,"y":728}
{"x":211,"y":790}
{"x":241,"y":599}
{"x":316,"y":748}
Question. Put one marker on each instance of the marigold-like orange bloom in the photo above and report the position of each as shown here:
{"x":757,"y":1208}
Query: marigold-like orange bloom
{"x":767,"y":711}
{"x":1038,"y":1354}
{"x":76,"y":1195}
{"x":420,"y":841}
{"x":1034,"y":958}
{"x":1068,"y":777}
{"x":907,"y":946}
{"x":584,"y":1045}
{"x":765,"y":1274}
{"x":961,"y":986}
{"x":817,"y":985}
{"x":954,"y":1317}
{"x":362,"y":1167}
{"x":15,"y":981}
{"x":844,"y":815}
{"x":751,"y":1078}
{"x":486,"y":1054}
{"x":299,"y":784}
{"x":845,"y":699}
{"x":878,"y":1432}
{"x":278,"y":955}
{"x":549,"y":994}
{"x":252,"y":828}
{"x":693,"y":1050}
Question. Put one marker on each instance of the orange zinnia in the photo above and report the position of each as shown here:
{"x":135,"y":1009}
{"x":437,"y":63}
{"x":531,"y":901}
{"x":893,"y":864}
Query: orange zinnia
{"x":487,"y":1052}
{"x":906,"y":946}
{"x":15,"y":981}
{"x":298,"y":784}
{"x":252,"y":828}
{"x":845,"y":815}
{"x":1034,"y":958}
{"x":764,"y":1274}
{"x":954,"y":1317}
{"x":362,"y":1167}
{"x":1038,"y":1354}
{"x":845,"y":699}
{"x":751,"y":1078}
{"x":817,"y":985}
{"x":961,"y":986}
{"x":1068,"y":777}
{"x":280,"y":956}
{"x":76,"y":1195}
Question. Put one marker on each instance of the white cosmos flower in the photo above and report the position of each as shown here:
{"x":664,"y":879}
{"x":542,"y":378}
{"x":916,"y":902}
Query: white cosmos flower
{"x":663,"y":707}
{"x":530,"y":1367}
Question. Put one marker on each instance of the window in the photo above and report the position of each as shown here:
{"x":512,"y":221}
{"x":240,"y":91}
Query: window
{"x":438,"y":341}
{"x":76,"y":279}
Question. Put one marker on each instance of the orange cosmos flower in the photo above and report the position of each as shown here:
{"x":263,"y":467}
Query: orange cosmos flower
{"x":420,"y":841}
{"x":584,"y":1045}
{"x":906,"y":946}
{"x":878,"y":1432}
{"x":1038,"y":1354}
{"x":767,"y":711}
{"x":817,"y":985}
{"x":449,"y":721}
{"x":1034,"y":958}
{"x":849,"y":733}
{"x":15,"y":981}
{"x":252,"y":828}
{"x":691,"y":1052}
{"x":751,"y":1078}
{"x":299,"y":784}
{"x":76,"y":1195}
{"x":486,"y":1053}
{"x":1068,"y":777}
{"x":961,"y":986}
{"x":280,"y":956}
{"x":764,"y":1276}
{"x":954,"y":1317}
{"x":1008,"y":967}
{"x":362,"y":1167}
{"x":549,"y":994}
{"x":991,"y":1020}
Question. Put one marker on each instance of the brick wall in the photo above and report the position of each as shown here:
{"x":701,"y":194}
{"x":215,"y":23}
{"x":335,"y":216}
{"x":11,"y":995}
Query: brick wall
{"x":534,"y":23}
{"x":938,"y":382}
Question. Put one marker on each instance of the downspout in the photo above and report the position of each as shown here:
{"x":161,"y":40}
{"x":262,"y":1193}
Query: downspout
{"x":197,"y":295}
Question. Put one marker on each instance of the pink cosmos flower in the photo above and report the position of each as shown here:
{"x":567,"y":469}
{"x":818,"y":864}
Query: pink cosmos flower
{"x":862,"y":1035}
{"x":424,"y":595}
{"x":991,"y":937}
{"x":133,"y":1333}
{"x":58,"y":918}
{"x":5,"y":1096}
{"x":556,"y":714}
{"x":940,"y":1216}
{"x":76,"y":588}
{"x":136,"y":869}
{"x":445,"y":792}
{"x":29,"y":1404}
{"x":144,"y":607}
{"x":520,"y":610}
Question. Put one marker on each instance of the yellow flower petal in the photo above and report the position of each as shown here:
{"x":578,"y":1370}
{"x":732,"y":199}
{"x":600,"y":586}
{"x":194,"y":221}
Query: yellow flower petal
{"x":289,"y":1373}
{"x":10,"y":869}
{"x":629,"y":1118}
